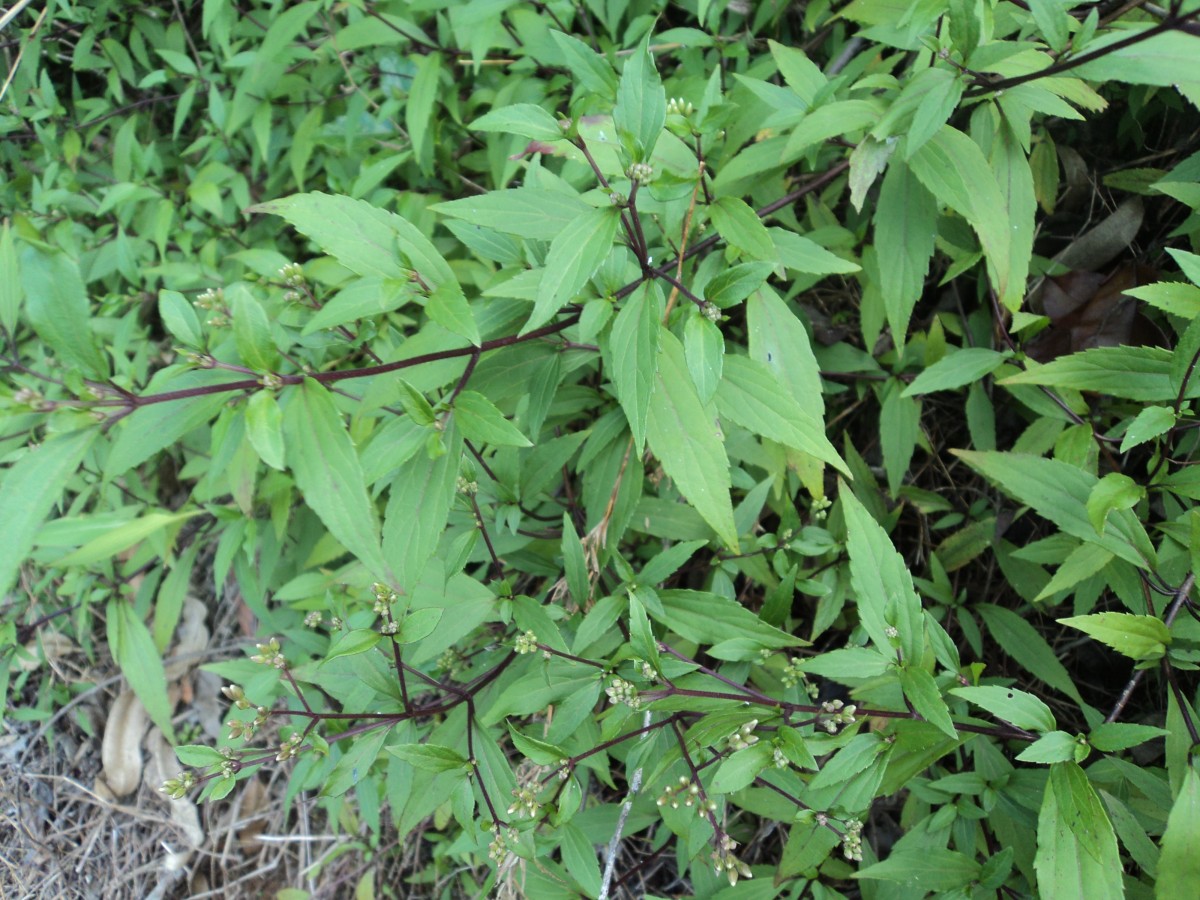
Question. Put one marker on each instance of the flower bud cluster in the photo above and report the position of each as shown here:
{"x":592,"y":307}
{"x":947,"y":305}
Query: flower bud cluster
{"x":641,"y":172}
{"x":839,"y":714}
{"x":466,"y":486}
{"x":794,"y":674}
{"x":235,"y":694}
{"x":820,"y":508}
{"x":176,"y":788}
{"x":384,"y":598}
{"x":451,"y":661}
{"x":677,"y":106}
{"x":526,"y":643}
{"x":852,"y":840}
{"x":710,"y":311}
{"x":289,"y":747}
{"x":724,"y":861}
{"x":526,"y":803}
{"x":621,"y":691}
{"x":686,"y":792}
{"x":270,"y":655}
{"x":391,"y":626}
{"x":498,"y":848}
{"x":313,"y":619}
{"x":292,"y":275}
{"x":211,"y":299}
{"x":270,"y":381}
{"x":779,"y":758}
{"x":744,"y":737}
{"x":244,"y":729}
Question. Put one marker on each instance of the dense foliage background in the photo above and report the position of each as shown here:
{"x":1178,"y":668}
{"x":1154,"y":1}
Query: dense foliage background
{"x":709,"y":449}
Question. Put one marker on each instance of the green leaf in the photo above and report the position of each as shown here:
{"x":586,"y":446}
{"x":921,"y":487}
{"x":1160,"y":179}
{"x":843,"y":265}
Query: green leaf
{"x":351,"y":643}
{"x":751,"y":395}
{"x":1149,"y":424}
{"x":355,"y":763}
{"x":1112,"y":492}
{"x":899,"y":429}
{"x":704,"y":349}
{"x":133,"y":648}
{"x":1133,"y":373}
{"x":1077,"y":852}
{"x":56,"y":304}
{"x":1055,"y":747}
{"x":122,"y":537}
{"x":418,"y":506}
{"x":1172,"y":297}
{"x":1179,"y":863}
{"x":1015,"y":177}
{"x":1138,"y":637}
{"x":641,"y":109}
{"x":710,"y":619}
{"x":779,"y":340}
{"x":634,"y":350}
{"x":739,"y":769}
{"x":524,"y":119}
{"x":1112,"y":737}
{"x":429,"y":757}
{"x":363,"y":238}
{"x":883,"y":588}
{"x":252,"y":330}
{"x":449,"y":308}
{"x":264,"y":428}
{"x":1024,"y":643}
{"x":1165,"y":59}
{"x":1018,"y":707}
{"x":926,"y":698}
{"x":327,"y":469}
{"x":527,"y":212}
{"x":905,"y":228}
{"x":575,"y":563}
{"x":955,"y":171}
{"x":955,"y":370}
{"x":29,"y":491}
{"x":579,"y":856}
{"x":927,"y":869}
{"x":479,"y":420}
{"x":418,"y":625}
{"x":806,"y":256}
{"x":734,"y":284}
{"x":686,"y":440}
{"x":198,"y":756}
{"x":1059,"y":492}
{"x":591,"y":69}
{"x":741,"y":228}
{"x":418,"y":111}
{"x":10,"y":287}
{"x":180,"y":318}
{"x":575,"y":254}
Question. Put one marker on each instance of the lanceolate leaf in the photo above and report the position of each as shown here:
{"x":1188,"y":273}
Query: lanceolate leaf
{"x":1077,"y":850}
{"x":574,"y":256}
{"x":1015,"y":177}
{"x":1134,"y":373}
{"x":418,"y":506}
{"x":960,"y":368}
{"x":526,"y":212}
{"x":133,"y":648}
{"x":752,"y":396}
{"x":887,"y":603}
{"x":524,"y":119}
{"x":954,"y":169}
{"x":1179,"y":864}
{"x":740,"y":226}
{"x":326,"y":467}
{"x":29,"y":491}
{"x":634,"y":352}
{"x":641,"y":108}
{"x":479,"y":420}
{"x":1138,"y":637}
{"x":362,"y":237}
{"x":686,"y":440}
{"x":56,"y":303}
{"x":778,"y":340}
{"x":1059,"y":492}
{"x":905,"y":228}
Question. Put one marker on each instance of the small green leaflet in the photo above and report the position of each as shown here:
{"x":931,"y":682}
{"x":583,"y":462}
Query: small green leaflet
{"x":1149,"y":424}
{"x":524,"y":119}
{"x":429,"y":757}
{"x":704,"y":348}
{"x":882,"y":584}
{"x":326,"y":468}
{"x":418,"y":506}
{"x":741,"y":228}
{"x":751,"y":395}
{"x":29,"y":491}
{"x":593,"y":71}
{"x":264,"y":428}
{"x":633,"y":346}
{"x":686,"y":440}
{"x":251,"y":330}
{"x":575,"y":254}
{"x":1114,"y":491}
{"x":122,"y":537}
{"x":180,"y":318}
{"x":449,"y":308}
{"x":1018,"y":707}
{"x":479,"y":420}
{"x":779,"y":340}
{"x":133,"y":648}
{"x":1138,"y":637}
{"x":926,"y":698}
{"x":925,"y":870}
{"x":806,"y":256}
{"x":351,"y":643}
{"x":418,"y":110}
{"x":955,"y":370}
{"x":1133,"y":373}
{"x":641,"y":109}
